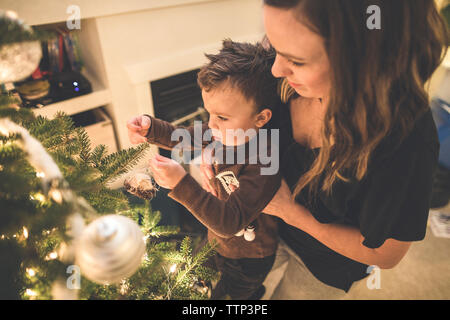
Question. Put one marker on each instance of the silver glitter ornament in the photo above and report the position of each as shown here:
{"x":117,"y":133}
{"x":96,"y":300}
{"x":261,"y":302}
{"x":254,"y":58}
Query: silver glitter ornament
{"x":18,"y":60}
{"x":110,"y":249}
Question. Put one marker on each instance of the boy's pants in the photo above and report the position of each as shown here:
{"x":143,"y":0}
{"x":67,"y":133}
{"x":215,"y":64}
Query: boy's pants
{"x":241,"y":278}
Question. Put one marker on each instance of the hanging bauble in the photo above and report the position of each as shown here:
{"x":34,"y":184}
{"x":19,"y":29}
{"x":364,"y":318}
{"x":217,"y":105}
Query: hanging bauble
{"x":110,"y":249}
{"x":141,"y":185}
{"x":18,"y":60}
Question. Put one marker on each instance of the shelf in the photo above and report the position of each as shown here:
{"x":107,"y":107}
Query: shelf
{"x":97,"y":98}
{"x":40,"y":12}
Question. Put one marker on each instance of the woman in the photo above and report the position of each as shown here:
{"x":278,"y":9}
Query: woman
{"x":363,"y":147}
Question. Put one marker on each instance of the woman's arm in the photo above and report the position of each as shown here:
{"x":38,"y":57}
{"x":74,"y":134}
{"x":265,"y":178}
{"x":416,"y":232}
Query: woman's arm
{"x":345,"y":240}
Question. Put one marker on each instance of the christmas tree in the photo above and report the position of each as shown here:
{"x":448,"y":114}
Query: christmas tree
{"x":52,"y":183}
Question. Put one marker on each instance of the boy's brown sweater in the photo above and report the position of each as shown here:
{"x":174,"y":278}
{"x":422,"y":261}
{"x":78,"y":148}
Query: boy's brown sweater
{"x":229,"y":212}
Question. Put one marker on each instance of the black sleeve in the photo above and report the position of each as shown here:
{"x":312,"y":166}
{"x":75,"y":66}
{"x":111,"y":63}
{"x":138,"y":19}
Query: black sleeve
{"x":396,"y":196}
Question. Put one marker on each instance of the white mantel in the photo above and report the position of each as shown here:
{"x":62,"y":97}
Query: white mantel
{"x":39,"y":12}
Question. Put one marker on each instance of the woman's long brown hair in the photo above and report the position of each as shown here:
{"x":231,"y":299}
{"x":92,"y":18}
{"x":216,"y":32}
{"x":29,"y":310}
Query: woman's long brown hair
{"x":378,"y":77}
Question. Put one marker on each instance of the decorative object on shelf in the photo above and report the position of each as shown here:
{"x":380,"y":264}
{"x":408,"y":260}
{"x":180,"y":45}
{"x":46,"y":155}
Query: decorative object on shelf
{"x":141,"y":185}
{"x":66,"y":85}
{"x":33,"y":90}
{"x":60,"y":86}
{"x":17,"y":60}
{"x":110,"y":249}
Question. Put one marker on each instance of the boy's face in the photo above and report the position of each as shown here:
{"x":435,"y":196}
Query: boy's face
{"x":228,"y":111}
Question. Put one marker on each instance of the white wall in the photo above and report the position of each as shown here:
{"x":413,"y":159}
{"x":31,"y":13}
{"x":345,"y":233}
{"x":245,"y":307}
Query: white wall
{"x":160,"y":39}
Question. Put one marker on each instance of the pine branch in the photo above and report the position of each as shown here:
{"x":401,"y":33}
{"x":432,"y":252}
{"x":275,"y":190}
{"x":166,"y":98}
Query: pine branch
{"x":121,"y":162}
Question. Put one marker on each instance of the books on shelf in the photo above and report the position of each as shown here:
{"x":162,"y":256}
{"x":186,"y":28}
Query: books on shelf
{"x":61,"y":53}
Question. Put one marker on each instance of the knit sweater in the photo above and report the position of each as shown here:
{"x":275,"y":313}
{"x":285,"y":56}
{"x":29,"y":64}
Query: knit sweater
{"x":230,"y":212}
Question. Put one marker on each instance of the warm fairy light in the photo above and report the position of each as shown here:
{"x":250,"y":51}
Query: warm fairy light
{"x":38,"y":196}
{"x":52,"y":256}
{"x":173,"y":268}
{"x":31,"y":272}
{"x":11,"y":14}
{"x":56,"y":195}
{"x":124,"y":287}
{"x":25,"y":233}
{"x":31,"y":293}
{"x":40,"y":174}
{"x":5,"y":144}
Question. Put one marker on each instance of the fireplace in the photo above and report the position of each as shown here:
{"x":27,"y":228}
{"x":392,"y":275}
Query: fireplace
{"x":177,"y":99}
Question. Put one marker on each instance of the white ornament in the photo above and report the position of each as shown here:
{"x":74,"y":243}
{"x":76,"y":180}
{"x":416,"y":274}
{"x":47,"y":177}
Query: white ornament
{"x":110,"y":249}
{"x":249,"y":233}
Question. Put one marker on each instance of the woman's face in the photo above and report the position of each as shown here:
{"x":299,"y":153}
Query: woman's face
{"x":301,"y":56}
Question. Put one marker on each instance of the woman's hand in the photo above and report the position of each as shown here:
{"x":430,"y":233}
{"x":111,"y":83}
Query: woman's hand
{"x":282,"y":204}
{"x":138,"y":129}
{"x":166,"y":172}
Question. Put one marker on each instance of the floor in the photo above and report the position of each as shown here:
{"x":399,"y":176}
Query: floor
{"x":423,"y":274}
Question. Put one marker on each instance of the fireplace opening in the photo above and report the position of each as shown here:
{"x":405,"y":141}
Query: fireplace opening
{"x":178,"y":100}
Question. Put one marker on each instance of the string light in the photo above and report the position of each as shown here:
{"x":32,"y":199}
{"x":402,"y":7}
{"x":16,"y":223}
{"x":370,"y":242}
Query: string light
{"x":25,"y":233}
{"x":40,"y":174}
{"x":56,"y":195}
{"x":52,"y":256}
{"x":31,"y":293}
{"x":31,"y":272}
{"x":124,"y":286}
{"x":38,"y":196}
{"x":173,"y":268}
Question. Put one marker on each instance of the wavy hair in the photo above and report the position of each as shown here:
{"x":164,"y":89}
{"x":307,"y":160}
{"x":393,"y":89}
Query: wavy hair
{"x":377,"y":77}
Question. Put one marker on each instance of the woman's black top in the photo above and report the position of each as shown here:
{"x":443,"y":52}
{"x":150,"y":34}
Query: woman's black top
{"x":391,"y":201}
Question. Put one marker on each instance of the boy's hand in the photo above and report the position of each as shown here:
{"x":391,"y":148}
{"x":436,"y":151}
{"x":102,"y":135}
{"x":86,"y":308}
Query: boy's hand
{"x":138,"y":129}
{"x":166,"y":172}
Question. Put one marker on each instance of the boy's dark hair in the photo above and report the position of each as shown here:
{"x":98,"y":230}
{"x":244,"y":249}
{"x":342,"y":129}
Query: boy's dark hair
{"x":247,"y":67}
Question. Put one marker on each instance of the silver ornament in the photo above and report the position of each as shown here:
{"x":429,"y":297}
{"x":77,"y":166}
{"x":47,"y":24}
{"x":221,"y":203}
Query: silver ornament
{"x":110,"y":249}
{"x":19,"y":60}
